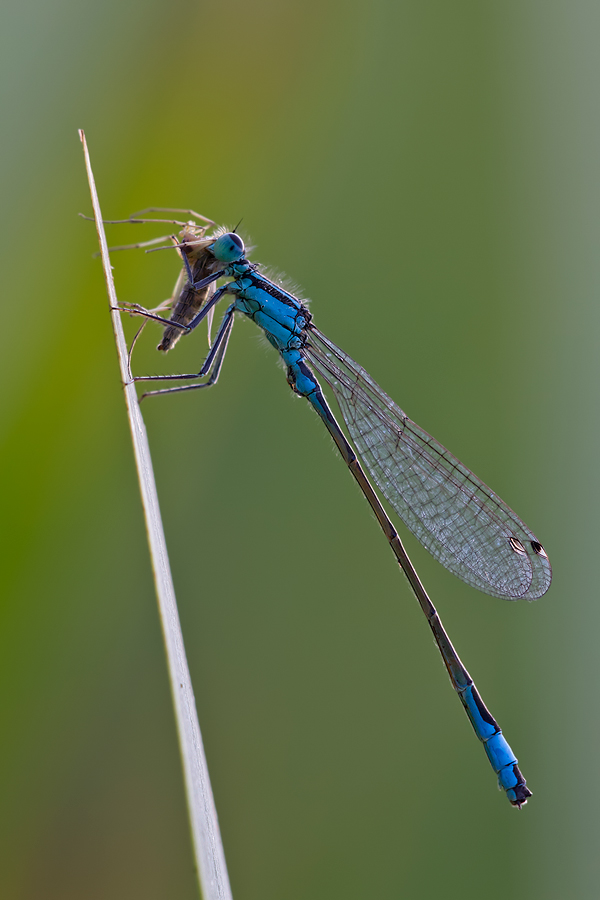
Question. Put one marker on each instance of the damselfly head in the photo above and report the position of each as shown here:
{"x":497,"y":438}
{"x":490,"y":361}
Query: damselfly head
{"x":228,"y":248}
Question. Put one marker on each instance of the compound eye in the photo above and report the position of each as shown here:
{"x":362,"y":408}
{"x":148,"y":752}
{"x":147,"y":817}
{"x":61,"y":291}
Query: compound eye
{"x":228,"y":248}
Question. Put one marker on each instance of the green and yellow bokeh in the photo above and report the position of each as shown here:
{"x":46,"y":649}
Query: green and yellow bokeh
{"x":428,"y":173}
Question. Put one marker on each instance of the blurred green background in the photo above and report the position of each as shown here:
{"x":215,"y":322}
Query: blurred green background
{"x":428,"y":173}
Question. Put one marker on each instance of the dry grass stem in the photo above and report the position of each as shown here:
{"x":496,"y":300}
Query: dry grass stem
{"x":206,"y":838}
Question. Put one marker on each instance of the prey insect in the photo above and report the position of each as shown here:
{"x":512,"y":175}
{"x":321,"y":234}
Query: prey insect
{"x":198,"y":262}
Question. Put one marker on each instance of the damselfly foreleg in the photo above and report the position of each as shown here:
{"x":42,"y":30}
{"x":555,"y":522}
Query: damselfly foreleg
{"x":214,"y":359}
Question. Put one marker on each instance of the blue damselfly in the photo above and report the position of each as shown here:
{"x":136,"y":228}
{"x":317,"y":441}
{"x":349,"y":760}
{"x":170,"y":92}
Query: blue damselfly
{"x":453,"y":513}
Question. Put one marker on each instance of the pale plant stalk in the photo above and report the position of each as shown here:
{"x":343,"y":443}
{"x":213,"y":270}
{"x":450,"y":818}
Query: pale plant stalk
{"x":206,"y":837}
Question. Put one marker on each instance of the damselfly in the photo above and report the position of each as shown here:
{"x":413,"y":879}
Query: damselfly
{"x":453,"y":513}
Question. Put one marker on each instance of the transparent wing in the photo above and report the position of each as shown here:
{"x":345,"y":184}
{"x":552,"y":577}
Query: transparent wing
{"x":462,"y":523}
